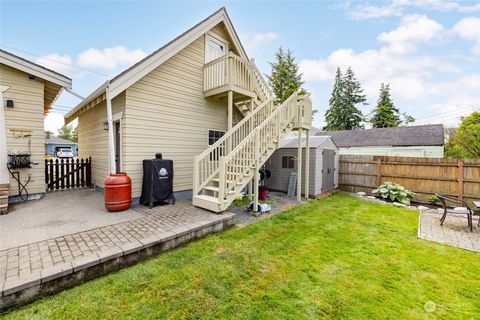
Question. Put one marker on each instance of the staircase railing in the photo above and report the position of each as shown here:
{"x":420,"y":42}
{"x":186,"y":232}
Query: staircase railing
{"x":207,"y":163}
{"x":243,"y":158}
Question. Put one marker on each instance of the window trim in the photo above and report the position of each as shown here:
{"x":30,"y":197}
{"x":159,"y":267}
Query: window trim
{"x":290,"y":160}
{"x":208,"y":135}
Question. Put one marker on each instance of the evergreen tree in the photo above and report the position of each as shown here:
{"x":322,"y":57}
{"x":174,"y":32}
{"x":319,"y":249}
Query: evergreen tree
{"x":347,"y":93}
{"x":385,"y":114}
{"x":285,"y":78}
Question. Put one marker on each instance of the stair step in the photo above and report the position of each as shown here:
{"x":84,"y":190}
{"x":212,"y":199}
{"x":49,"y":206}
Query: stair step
{"x":216,"y":189}
{"x":218,"y":181}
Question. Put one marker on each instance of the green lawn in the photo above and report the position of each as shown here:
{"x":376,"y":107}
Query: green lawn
{"x":335,"y":258}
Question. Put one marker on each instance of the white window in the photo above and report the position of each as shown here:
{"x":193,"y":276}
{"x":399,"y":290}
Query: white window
{"x":214,"y":136}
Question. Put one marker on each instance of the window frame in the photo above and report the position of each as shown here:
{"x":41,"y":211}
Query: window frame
{"x":288,"y":162}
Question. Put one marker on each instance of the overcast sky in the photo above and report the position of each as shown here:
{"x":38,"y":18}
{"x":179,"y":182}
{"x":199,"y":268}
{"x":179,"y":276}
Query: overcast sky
{"x":428,"y":50}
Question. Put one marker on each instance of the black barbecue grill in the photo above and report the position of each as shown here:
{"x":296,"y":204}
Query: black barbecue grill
{"x":157,"y":185}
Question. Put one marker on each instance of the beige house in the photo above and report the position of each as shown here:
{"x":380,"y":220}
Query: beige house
{"x":195,"y":100}
{"x":27,"y":94}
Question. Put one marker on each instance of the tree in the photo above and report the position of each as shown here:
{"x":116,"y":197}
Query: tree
{"x":285,"y":78}
{"x":68,"y":132}
{"x":465,"y":142}
{"x":347,"y":93}
{"x":385,"y":114}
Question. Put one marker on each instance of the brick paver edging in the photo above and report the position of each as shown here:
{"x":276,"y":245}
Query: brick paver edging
{"x":104,"y":251}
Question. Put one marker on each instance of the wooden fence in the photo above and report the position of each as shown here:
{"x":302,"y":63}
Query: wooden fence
{"x":424,"y":176}
{"x":68,"y":173}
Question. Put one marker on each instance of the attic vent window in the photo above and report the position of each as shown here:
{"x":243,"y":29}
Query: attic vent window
{"x":288,"y":162}
{"x":216,"y":45}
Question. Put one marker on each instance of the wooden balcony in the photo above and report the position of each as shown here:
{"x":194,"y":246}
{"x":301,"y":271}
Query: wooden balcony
{"x":233,"y":73}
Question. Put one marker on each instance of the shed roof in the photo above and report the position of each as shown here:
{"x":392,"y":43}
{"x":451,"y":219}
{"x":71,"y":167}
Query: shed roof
{"x":426,"y":135}
{"x":315,"y":142}
{"x":54,"y":81}
{"x":131,"y":75}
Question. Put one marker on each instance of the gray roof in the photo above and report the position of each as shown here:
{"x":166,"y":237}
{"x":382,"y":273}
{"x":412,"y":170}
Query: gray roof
{"x":56,"y":140}
{"x":315,"y":142}
{"x":428,"y":135}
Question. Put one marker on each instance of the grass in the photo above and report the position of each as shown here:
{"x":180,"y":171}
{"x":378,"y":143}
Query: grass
{"x":335,"y":258}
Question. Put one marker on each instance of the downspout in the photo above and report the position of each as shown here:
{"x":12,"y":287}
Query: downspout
{"x":111,"y":144}
{"x":4,"y":177}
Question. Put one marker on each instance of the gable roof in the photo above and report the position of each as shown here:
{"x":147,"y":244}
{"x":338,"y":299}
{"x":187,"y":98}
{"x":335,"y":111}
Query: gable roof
{"x":136,"y":72}
{"x":56,"y":140}
{"x":427,"y":135}
{"x":315,"y":142}
{"x":54,"y":81}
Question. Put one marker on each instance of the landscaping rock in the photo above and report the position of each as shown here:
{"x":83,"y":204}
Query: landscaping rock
{"x":361,"y":193}
{"x":422,"y":208}
{"x":371,"y":198}
{"x":398,"y":204}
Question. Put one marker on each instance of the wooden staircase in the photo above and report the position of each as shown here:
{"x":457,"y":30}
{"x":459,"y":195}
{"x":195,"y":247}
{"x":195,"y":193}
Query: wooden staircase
{"x":223,"y":170}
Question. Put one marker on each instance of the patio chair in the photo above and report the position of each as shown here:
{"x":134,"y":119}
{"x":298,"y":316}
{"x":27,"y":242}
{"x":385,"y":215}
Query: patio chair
{"x":465,"y":209}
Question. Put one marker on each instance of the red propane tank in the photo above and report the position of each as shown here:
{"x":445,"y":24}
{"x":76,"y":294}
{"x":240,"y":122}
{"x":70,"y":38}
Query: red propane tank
{"x":118,"y":192}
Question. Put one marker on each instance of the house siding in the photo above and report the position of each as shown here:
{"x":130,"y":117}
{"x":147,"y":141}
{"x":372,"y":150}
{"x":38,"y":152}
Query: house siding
{"x":28,"y":96}
{"x":93,"y":139}
{"x":166,"y":112}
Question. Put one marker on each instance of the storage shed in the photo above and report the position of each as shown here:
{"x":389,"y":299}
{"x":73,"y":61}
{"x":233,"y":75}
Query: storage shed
{"x":324,"y":163}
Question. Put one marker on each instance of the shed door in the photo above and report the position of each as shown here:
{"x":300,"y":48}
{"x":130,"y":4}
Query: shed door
{"x":215,"y":48}
{"x":328,"y":170}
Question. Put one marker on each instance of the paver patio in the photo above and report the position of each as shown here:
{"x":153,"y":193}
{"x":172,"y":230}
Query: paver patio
{"x":36,"y":263}
{"x":454,"y":231}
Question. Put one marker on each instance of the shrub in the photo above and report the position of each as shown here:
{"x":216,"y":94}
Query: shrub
{"x":432,"y":199}
{"x":395,"y":192}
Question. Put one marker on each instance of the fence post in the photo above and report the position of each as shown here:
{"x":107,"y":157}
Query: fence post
{"x":379,"y":171}
{"x":460,"y":179}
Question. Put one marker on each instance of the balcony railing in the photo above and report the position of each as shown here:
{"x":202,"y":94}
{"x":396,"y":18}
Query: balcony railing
{"x":231,"y":72}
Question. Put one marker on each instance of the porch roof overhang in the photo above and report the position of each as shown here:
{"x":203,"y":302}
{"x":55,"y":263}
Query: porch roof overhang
{"x":128,"y":77}
{"x":54,"y":82}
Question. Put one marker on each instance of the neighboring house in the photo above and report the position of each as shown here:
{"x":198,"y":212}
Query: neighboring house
{"x":324,"y":163}
{"x":179,"y":101}
{"x":425,"y":141}
{"x":28,"y":91}
{"x":53,"y":144}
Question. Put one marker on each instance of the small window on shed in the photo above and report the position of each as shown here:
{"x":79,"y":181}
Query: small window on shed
{"x":288,"y":162}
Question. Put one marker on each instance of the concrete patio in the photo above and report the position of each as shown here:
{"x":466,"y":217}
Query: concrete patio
{"x":59,"y":213}
{"x":54,"y":243}
{"x":455,"y":230}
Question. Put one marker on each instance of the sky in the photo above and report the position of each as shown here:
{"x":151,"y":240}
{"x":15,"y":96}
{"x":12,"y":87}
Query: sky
{"x":427,"y":50}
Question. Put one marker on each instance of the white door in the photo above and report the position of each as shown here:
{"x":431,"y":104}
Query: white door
{"x":215,"y":48}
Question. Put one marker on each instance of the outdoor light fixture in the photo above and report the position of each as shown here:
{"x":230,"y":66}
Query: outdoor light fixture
{"x":10,"y":104}
{"x":105,"y":126}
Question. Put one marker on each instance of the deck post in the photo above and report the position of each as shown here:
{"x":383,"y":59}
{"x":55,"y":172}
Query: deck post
{"x":250,"y":190}
{"x":196,"y":173}
{"x":307,"y":162}
{"x":299,"y":166}
{"x":111,"y":144}
{"x":230,"y":110}
{"x":255,"y":173}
